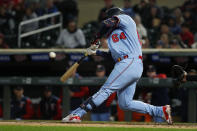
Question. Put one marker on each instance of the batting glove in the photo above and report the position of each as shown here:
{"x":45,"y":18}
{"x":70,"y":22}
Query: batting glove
{"x":90,"y":51}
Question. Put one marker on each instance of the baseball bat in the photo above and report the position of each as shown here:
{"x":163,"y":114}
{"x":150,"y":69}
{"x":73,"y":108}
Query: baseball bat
{"x":70,"y":71}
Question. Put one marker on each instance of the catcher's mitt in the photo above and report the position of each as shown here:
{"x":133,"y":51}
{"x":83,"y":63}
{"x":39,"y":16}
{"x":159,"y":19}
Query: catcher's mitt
{"x":178,"y":74}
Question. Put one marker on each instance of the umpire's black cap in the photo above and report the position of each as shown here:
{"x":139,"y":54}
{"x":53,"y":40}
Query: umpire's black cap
{"x":114,"y":11}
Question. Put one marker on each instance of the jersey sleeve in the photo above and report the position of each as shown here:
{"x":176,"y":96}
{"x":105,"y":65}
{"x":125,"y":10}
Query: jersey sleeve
{"x":123,"y":21}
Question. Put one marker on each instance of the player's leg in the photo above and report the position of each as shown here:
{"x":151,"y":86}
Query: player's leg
{"x":121,"y":76}
{"x":97,"y":99}
{"x":117,"y":80}
{"x":93,"y":101}
{"x":126,"y":102}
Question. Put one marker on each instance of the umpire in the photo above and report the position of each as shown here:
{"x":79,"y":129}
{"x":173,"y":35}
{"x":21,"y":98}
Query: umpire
{"x":179,"y":75}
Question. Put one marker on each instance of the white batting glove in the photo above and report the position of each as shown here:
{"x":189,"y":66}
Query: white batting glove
{"x":89,"y":51}
{"x":94,"y":47}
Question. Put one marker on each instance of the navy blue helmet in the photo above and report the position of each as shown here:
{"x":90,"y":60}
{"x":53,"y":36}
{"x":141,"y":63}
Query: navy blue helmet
{"x":114,"y":11}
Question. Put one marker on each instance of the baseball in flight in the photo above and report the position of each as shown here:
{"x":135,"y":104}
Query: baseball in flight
{"x":52,"y":54}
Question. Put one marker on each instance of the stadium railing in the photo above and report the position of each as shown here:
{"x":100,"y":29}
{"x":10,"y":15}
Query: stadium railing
{"x":41,"y":29}
{"x":163,"y":52}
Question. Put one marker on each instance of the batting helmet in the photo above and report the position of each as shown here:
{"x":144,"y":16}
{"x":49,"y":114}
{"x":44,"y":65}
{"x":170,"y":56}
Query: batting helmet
{"x":114,"y":11}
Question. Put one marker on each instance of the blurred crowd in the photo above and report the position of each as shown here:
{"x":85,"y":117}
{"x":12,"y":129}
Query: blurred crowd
{"x":13,"y":12}
{"x":161,"y":27}
{"x":157,"y":26}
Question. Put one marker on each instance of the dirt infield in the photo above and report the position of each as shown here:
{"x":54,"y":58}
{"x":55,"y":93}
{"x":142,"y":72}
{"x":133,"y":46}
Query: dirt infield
{"x":101,"y":124}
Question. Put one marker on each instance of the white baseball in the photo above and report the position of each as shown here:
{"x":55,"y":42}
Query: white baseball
{"x":52,"y":54}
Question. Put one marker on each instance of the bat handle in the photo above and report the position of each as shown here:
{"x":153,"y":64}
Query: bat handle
{"x":82,"y":58}
{"x":86,"y":54}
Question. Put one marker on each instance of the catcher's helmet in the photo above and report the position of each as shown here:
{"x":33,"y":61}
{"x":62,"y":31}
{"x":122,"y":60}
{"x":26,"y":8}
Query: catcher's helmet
{"x":114,"y":11}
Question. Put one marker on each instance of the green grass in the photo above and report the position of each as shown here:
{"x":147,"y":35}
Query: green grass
{"x":61,"y":128}
{"x":99,"y":122}
{"x":36,"y":125}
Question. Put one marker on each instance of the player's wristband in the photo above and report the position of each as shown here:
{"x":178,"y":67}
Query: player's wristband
{"x":98,"y":52}
{"x":103,"y":53}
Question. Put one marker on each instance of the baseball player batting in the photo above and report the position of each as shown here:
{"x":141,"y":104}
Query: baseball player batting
{"x":125,"y":49}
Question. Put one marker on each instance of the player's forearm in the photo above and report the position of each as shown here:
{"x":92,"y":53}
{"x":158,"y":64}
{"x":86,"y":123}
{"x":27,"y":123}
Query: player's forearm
{"x":103,"y":53}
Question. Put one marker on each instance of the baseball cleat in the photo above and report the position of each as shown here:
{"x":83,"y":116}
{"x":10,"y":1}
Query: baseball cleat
{"x":167,"y":114}
{"x":72,"y":118}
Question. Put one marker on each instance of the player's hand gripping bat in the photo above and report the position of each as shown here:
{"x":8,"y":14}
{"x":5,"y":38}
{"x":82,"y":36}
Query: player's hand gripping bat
{"x":91,"y":50}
